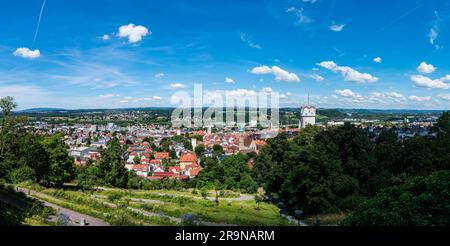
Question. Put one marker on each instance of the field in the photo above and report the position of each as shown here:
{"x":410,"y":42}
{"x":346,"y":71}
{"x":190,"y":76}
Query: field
{"x":163,"y":207}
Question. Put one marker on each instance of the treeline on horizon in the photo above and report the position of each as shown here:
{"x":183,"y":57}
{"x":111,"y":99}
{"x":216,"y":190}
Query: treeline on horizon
{"x":337,"y":170}
{"x":162,"y":115}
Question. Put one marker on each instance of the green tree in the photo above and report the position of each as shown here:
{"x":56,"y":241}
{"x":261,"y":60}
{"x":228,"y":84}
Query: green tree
{"x":61,"y":166}
{"x":443,"y":122}
{"x":258,"y":200}
{"x":218,"y":149}
{"x":137,"y":160}
{"x":248,"y":184}
{"x":112,"y":164}
{"x":204,"y":193}
{"x":420,"y":201}
{"x":22,"y":174}
{"x":200,"y":150}
{"x":7,"y":104}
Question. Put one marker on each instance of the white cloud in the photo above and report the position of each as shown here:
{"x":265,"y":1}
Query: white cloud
{"x":177,"y":86}
{"x":267,"y":90}
{"x":262,"y":70}
{"x":159,"y":75}
{"x":27,"y":53}
{"x":106,"y":37}
{"x":444,"y":96}
{"x":241,"y":93}
{"x":279,"y":73}
{"x":348,"y":73}
{"x":247,"y":39}
{"x":109,"y":95}
{"x":347,"y":93}
{"x":337,"y":28}
{"x":317,"y":77}
{"x":419,"y":99}
{"x":426,"y":68}
{"x":426,"y":82}
{"x":433,"y":34}
{"x":377,"y":59}
{"x":229,"y":80}
{"x":382,"y":97}
{"x":310,"y":1}
{"x":129,"y":99}
{"x":302,"y":18}
{"x":133,"y":33}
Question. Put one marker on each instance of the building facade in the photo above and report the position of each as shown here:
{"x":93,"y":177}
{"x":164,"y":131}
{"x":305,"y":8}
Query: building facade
{"x":307,"y":116}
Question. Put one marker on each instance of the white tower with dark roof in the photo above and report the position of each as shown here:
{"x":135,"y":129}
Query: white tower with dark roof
{"x":307,"y":115}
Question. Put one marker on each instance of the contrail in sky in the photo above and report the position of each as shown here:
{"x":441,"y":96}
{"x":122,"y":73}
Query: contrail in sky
{"x":39,"y":21}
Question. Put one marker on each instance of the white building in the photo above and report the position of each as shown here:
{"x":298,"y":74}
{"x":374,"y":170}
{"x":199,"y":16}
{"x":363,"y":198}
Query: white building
{"x":79,"y":152}
{"x":307,"y":116}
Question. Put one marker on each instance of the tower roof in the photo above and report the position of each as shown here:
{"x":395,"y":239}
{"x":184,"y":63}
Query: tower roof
{"x":308,"y":106}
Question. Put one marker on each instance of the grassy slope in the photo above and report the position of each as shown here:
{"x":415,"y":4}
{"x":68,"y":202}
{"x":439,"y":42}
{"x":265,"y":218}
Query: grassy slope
{"x":172,"y":203}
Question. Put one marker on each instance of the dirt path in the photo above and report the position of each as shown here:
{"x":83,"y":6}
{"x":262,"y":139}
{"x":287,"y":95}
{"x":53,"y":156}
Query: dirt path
{"x":74,"y":217}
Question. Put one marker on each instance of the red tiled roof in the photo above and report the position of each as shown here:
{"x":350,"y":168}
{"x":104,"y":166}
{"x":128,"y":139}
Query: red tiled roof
{"x":161,"y":155}
{"x":188,"y":157}
{"x":156,"y":162}
{"x":141,"y":167}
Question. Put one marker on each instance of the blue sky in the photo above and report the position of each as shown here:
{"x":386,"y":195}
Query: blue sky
{"x":350,"y":54}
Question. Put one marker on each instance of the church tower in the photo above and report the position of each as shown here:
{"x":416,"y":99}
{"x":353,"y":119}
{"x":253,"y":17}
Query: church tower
{"x":307,"y":115}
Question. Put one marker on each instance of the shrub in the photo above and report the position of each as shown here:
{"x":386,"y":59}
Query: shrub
{"x":188,"y":220}
{"x":22,"y":174}
{"x":114,"y":196}
{"x":204,"y":193}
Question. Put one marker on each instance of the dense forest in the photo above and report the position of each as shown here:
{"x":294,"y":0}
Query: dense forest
{"x":337,"y":170}
{"x":386,"y":182}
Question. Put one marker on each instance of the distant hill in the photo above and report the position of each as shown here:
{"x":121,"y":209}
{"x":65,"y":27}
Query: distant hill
{"x":42,"y":110}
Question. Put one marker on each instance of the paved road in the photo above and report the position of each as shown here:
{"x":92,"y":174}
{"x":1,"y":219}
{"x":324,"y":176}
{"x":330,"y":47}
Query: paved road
{"x":74,"y":217}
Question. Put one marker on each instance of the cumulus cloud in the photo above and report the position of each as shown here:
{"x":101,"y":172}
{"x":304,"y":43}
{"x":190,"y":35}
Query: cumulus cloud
{"x":425,"y":82}
{"x":229,"y":80}
{"x":106,"y":37}
{"x":159,"y":75}
{"x":377,"y":59}
{"x":267,"y":90}
{"x":279,"y":73}
{"x":337,"y":28}
{"x":347,"y":93}
{"x":310,"y":1}
{"x":348,"y":73}
{"x":419,"y":99}
{"x":27,"y":53}
{"x":391,"y":94}
{"x":426,"y":68}
{"x":133,"y":33}
{"x":177,"y":86}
